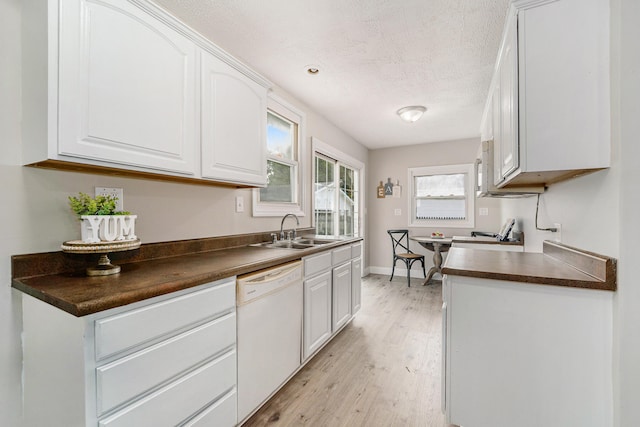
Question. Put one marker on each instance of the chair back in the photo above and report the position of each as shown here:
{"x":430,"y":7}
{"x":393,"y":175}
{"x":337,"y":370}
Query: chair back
{"x":399,"y":238}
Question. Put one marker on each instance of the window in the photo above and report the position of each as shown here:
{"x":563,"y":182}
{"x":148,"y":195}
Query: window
{"x":284,"y":191}
{"x":336,"y":192}
{"x":442,"y":196}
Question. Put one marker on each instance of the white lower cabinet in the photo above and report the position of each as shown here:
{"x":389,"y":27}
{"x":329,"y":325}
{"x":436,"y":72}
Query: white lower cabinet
{"x":331,"y":294}
{"x":167,"y":361}
{"x":525,"y":354}
{"x":356,"y":285}
{"x":317,"y":312}
{"x":341,"y":313}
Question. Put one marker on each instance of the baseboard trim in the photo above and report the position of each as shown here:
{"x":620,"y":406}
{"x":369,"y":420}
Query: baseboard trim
{"x":400,"y":272}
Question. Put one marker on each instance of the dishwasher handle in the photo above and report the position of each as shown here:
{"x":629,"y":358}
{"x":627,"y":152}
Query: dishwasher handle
{"x":265,"y":282}
{"x":269,"y":275}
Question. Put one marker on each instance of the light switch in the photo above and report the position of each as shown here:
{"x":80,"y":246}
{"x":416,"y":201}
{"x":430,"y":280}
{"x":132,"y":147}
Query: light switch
{"x":398,"y":212}
{"x":484,"y":211}
{"x":239,"y":204}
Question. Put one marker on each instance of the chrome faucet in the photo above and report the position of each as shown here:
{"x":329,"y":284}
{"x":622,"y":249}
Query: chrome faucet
{"x":282,"y":225}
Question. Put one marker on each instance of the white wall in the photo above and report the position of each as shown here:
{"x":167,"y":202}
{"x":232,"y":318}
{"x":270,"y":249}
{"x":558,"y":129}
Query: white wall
{"x":394,"y":163}
{"x":35,"y":216}
{"x":586,"y":207}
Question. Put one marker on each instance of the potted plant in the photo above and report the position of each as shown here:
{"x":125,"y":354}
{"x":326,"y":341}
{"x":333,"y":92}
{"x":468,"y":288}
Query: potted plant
{"x":100,"y":220}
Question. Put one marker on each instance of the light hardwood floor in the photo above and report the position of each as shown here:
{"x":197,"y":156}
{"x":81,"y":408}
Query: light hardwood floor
{"x":382,"y":370}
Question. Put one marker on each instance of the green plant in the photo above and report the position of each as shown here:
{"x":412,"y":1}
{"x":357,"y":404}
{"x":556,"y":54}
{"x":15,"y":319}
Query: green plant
{"x":84,"y":204}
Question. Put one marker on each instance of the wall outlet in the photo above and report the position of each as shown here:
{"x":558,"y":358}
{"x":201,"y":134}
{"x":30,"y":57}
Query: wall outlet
{"x":239,"y":204}
{"x":557,"y":235}
{"x":483,"y":211}
{"x":397,"y":212}
{"x":113,"y":192}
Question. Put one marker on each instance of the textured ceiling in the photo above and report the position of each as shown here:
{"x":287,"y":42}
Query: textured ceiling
{"x":375,"y":56}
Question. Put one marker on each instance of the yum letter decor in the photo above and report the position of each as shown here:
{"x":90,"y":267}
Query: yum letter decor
{"x":108,"y":228}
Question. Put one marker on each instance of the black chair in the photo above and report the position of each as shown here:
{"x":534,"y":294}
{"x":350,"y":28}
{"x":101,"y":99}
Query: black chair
{"x":408,"y":257}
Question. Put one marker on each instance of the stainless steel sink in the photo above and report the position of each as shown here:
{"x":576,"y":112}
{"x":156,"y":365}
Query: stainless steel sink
{"x":314,"y":242}
{"x":293,"y":244}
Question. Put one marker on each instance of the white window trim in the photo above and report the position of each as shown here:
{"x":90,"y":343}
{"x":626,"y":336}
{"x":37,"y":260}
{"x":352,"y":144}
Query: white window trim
{"x":328,"y":150}
{"x":270,"y":209}
{"x":468,"y":169}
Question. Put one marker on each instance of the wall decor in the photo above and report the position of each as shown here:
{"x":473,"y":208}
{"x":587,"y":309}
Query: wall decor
{"x":397,"y":189}
{"x":388,"y":188}
{"x":380,"y":191}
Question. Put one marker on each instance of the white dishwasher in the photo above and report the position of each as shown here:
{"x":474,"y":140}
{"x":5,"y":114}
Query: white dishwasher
{"x":269,"y":317}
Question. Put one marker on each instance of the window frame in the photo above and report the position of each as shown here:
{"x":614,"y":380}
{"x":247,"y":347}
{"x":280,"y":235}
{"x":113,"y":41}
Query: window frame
{"x":468,"y":170}
{"x":279,"y":106}
{"x":325,"y":150}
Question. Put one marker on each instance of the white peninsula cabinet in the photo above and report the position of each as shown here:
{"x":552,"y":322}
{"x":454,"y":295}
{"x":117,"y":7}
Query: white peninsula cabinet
{"x":526,"y":354}
{"x":329,"y":288}
{"x":170,"y":360}
{"x":122,"y":86}
{"x":548,"y":110}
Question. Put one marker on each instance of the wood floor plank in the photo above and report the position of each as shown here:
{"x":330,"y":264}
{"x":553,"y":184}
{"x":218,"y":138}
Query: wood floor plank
{"x":383,"y":369}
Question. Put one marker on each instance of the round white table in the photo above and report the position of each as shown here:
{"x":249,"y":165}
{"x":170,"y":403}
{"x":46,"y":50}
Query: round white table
{"x":438,"y":246}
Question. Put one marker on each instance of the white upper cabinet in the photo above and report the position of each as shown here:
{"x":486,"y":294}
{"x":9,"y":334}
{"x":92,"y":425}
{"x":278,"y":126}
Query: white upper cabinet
{"x":508,"y":158}
{"x":552,"y":80}
{"x":127,"y":88}
{"x":234,"y":123}
{"x":121,"y":84}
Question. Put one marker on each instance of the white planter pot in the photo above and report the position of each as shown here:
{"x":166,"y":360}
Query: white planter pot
{"x":108,"y":228}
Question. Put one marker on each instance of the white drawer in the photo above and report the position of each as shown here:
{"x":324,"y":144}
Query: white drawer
{"x":341,"y":254}
{"x":134,"y":327}
{"x":181,"y":399}
{"x":126,"y":378}
{"x":317,"y":263}
{"x":222,"y":413}
{"x":356,"y":250}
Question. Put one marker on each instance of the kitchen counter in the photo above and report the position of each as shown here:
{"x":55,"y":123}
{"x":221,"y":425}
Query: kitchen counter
{"x":81,"y":295}
{"x":558,"y":265}
{"x":484,"y":240}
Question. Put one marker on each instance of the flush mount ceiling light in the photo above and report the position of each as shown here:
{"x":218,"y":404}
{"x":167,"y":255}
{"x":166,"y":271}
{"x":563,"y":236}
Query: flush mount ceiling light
{"x":312,"y":69}
{"x":411,"y":114}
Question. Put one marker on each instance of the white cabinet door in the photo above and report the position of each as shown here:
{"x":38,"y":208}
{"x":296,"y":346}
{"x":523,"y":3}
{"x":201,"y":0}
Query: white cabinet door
{"x":497,"y":132}
{"x":521,"y":347}
{"x":509,"y":103}
{"x":127,"y":88}
{"x":356,"y":285}
{"x":317,"y":312}
{"x":341,"y":296}
{"x":234,"y":123}
{"x":565,"y":101}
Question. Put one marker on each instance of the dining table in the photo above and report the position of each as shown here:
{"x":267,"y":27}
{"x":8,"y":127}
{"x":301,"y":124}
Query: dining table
{"x":437,"y":245}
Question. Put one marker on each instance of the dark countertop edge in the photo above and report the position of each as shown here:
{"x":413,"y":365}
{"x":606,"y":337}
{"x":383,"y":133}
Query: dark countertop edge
{"x":554,"y":254}
{"x":169,"y":286}
{"x":518,"y":240}
{"x":476,"y":241}
{"x":532,"y":280}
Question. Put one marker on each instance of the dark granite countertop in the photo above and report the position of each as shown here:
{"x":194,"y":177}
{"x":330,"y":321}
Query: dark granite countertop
{"x":558,"y":265}
{"x":80,"y":295}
